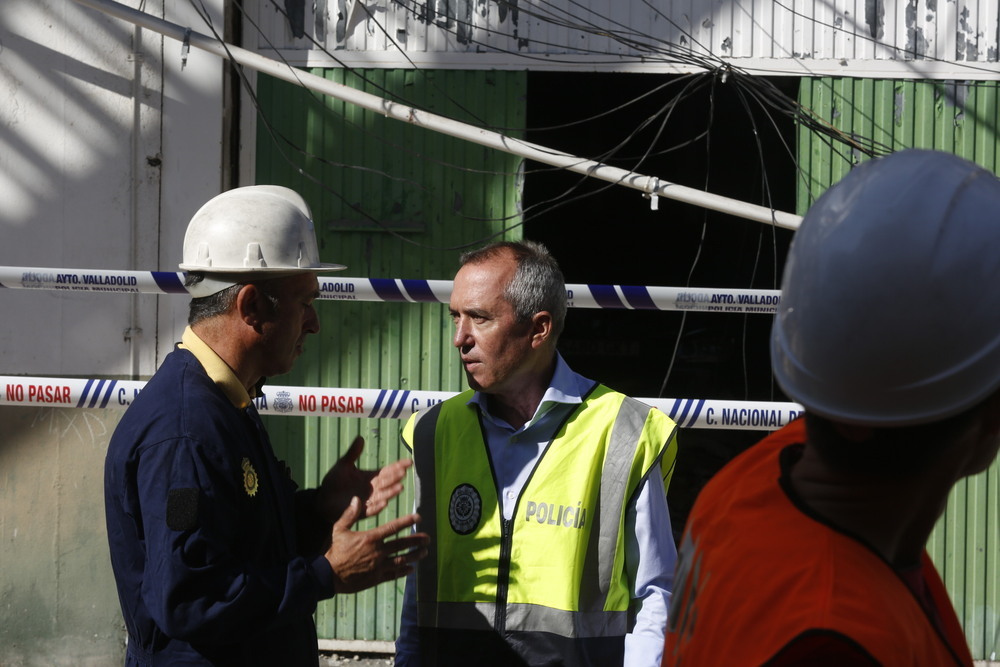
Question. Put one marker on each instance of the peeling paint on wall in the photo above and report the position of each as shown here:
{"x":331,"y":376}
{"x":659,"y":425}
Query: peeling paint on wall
{"x":296,"y":11}
{"x":503,"y":8}
{"x":955,"y":95}
{"x":320,"y":20}
{"x":452,"y":15}
{"x":875,"y":18}
{"x":348,"y":17}
{"x":966,"y":39}
{"x":916,"y":43}
{"x":943,"y":31}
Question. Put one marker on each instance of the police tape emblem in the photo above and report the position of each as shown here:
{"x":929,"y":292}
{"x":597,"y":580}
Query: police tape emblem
{"x":283,"y":402}
{"x":249,"y":478}
{"x":465,"y":509}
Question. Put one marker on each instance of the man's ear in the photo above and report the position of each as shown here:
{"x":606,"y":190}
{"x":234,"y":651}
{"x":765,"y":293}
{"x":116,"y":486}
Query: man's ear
{"x":541,"y":328}
{"x":251,"y":306}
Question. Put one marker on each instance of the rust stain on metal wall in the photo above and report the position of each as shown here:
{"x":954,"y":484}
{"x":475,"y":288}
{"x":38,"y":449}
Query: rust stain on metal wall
{"x":457,"y":15}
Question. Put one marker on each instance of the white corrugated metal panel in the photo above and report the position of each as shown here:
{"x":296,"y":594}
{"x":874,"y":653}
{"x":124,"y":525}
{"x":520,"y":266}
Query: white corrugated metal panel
{"x":936,"y":38}
{"x":100,"y":168}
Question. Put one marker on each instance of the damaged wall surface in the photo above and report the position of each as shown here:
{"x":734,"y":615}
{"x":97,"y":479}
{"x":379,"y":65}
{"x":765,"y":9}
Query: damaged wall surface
{"x":799,"y":38}
{"x":107,"y":144}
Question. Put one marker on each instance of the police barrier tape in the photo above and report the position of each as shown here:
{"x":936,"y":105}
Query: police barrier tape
{"x":371,"y":403}
{"x":629,"y":297}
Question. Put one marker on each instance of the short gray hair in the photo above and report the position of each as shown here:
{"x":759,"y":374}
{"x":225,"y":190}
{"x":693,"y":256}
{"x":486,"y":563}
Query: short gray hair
{"x":537,"y":285}
{"x":205,"y":307}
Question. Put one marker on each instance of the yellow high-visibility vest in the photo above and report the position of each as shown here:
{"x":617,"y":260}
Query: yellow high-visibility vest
{"x":558,"y":566}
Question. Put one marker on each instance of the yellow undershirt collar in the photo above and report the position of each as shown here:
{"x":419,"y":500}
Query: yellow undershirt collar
{"x":218,"y":370}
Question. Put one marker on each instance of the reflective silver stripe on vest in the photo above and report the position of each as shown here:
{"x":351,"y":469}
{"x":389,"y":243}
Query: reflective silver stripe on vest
{"x":424,"y":490}
{"x":529,"y":618}
{"x":601,"y":548}
{"x":576,"y":624}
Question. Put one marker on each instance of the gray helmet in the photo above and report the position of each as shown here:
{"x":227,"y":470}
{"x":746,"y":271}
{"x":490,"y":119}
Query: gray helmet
{"x":253,"y":232}
{"x":890,"y":307}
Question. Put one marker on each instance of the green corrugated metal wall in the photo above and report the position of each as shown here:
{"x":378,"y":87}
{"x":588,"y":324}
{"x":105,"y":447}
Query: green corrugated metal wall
{"x":428,"y":193}
{"x":957,"y":117}
{"x":961,"y":118}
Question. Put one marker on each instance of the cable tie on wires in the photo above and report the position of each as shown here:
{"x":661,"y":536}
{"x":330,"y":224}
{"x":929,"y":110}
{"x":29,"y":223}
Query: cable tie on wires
{"x":185,"y":48}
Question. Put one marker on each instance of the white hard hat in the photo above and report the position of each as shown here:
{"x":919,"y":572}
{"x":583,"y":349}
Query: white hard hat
{"x":251,"y":233}
{"x":890,"y":307}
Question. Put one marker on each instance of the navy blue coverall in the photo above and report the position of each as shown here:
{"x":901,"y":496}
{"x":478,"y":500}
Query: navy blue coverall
{"x":217,"y":558}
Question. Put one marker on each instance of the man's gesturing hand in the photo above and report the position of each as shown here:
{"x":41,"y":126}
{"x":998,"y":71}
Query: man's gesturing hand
{"x":362,"y":559}
{"x":345,"y":481}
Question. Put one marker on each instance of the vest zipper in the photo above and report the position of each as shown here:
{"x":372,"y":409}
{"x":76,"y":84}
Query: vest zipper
{"x":503,"y":575}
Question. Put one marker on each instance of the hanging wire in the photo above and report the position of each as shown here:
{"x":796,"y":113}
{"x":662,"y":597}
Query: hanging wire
{"x":766,"y":189}
{"x":626,"y":36}
{"x":362,"y":76}
{"x":781,"y":102}
{"x":701,"y":244}
{"x":275,"y":135}
{"x":571,"y":195}
{"x":763,"y":90}
{"x":751,"y":91}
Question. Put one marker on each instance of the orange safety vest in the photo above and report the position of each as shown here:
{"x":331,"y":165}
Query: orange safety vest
{"x":756,"y":571}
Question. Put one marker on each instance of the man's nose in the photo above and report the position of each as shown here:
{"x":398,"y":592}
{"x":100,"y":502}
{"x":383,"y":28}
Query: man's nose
{"x":462,"y":336}
{"x":311,"y":324}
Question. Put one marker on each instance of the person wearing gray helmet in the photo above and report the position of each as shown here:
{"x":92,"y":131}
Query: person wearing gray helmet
{"x":218,"y":559}
{"x":809,"y":548}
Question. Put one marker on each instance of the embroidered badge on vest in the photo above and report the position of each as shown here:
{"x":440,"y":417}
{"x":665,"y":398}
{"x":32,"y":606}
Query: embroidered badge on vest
{"x":465,"y":509}
{"x":249,"y":478}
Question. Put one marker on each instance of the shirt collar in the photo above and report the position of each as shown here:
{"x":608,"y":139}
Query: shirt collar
{"x":566,"y":388}
{"x":218,"y":370}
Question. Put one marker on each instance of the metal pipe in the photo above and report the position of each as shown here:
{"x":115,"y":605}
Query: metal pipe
{"x":135,"y":325}
{"x":649,"y":185}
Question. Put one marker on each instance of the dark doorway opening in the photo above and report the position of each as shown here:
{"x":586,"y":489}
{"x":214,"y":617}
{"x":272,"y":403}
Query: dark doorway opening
{"x":700,"y":132}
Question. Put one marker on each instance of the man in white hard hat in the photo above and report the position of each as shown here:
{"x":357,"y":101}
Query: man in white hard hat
{"x":217,"y":558}
{"x":809,"y":548}
{"x":544,"y":492}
